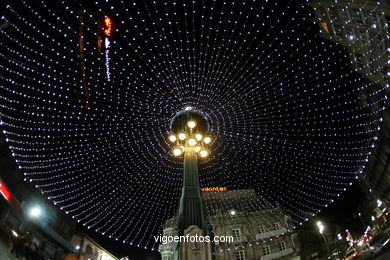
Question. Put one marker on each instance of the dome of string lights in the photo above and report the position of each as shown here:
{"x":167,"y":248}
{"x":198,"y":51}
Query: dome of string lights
{"x":89,"y":91}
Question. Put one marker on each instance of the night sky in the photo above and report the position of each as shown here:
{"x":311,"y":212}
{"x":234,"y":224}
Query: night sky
{"x":283,"y":106}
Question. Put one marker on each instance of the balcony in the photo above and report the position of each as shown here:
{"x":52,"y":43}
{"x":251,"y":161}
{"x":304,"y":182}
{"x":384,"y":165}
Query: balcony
{"x":271,"y":233}
{"x":277,"y":254}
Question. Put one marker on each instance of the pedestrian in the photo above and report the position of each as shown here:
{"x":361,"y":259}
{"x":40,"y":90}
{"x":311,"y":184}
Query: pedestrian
{"x":14,"y":248}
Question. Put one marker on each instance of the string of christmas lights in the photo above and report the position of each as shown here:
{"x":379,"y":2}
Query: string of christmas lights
{"x":87,"y":121}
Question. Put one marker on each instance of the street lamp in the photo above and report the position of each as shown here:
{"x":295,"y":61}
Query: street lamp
{"x":35,"y":212}
{"x":321,"y":229}
{"x":189,"y":138}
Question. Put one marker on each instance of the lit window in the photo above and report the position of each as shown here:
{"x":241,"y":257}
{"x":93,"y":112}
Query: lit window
{"x":282,"y":246}
{"x":266,"y":250}
{"x":325,"y":26}
{"x":240,"y":255}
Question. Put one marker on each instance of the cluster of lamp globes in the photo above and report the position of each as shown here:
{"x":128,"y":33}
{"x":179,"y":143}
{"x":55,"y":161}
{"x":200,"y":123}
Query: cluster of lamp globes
{"x":188,"y":140}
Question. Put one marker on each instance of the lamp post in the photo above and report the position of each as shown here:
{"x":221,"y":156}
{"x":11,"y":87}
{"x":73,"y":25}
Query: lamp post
{"x":321,"y":229}
{"x":189,"y":138}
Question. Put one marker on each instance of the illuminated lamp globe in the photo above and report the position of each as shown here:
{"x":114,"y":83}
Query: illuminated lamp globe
{"x":207,"y":140}
{"x":177,"y":151}
{"x":203,"y":153}
{"x":35,"y":212}
{"x":191,"y":142}
{"x":198,"y":137}
{"x":191,"y":124}
{"x":197,"y":149}
{"x":172,"y":138}
{"x":182,"y":136}
{"x":182,"y":148}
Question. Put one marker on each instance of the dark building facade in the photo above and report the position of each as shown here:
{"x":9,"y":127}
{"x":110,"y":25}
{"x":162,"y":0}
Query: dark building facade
{"x":24,"y":209}
{"x":362,"y":28}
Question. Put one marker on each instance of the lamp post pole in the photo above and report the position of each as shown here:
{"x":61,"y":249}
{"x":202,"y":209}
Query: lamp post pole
{"x":321,"y":229}
{"x":189,"y":137}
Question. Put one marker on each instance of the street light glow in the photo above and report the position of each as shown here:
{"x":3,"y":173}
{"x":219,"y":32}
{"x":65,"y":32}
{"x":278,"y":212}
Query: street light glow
{"x":191,"y":124}
{"x":182,"y":136}
{"x":203,"y":153}
{"x":191,"y":142}
{"x":197,"y":149}
{"x":198,"y":137}
{"x":207,"y":140}
{"x":177,"y":151}
{"x":320,"y":226}
{"x":35,"y":212}
{"x":172,"y":138}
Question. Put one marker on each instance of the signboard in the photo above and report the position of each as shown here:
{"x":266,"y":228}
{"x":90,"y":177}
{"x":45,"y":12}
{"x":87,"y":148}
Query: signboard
{"x":214,"y":189}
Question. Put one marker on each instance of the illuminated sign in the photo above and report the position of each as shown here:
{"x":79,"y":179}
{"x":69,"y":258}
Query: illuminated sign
{"x":107,"y":26}
{"x":214,"y":189}
{"x":107,"y":43}
{"x":8,"y":196}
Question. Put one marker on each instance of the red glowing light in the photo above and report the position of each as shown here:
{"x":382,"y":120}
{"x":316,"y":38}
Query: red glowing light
{"x":4,"y":191}
{"x":108,"y":26}
{"x":7,"y":195}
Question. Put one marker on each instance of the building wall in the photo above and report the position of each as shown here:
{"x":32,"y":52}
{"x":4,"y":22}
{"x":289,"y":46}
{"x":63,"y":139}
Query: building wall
{"x":363,"y":27}
{"x":89,"y":249}
{"x":52,"y":229}
{"x":256,"y":228}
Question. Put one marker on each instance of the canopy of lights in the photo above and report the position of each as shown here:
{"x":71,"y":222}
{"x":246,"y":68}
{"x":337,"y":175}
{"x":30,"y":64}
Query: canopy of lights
{"x":88,"y":93}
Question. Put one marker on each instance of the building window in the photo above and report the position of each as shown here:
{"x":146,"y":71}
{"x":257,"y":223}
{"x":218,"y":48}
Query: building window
{"x":385,"y":71}
{"x":282,"y":246}
{"x":359,"y":59}
{"x":337,"y":30}
{"x":240,"y":255}
{"x":344,"y":14}
{"x":379,"y":42}
{"x":349,"y":34}
{"x":237,"y":234}
{"x":372,"y":66}
{"x":321,"y":13}
{"x":363,"y":37}
{"x":261,"y":229}
{"x":276,"y":226}
{"x":357,"y":15}
{"x":266,"y":250}
{"x":332,"y":13}
{"x":373,"y":19}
